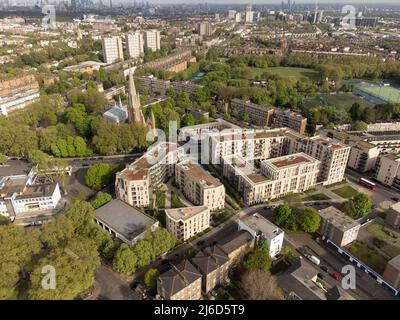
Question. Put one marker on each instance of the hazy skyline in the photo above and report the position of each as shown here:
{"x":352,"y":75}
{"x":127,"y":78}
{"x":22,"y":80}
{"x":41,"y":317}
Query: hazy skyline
{"x":359,"y":2}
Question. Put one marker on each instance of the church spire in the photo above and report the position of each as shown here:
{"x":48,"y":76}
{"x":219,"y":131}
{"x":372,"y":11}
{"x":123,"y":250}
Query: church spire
{"x":134,"y":112}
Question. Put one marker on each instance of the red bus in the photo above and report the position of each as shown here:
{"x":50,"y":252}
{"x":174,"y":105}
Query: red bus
{"x":368,"y":184}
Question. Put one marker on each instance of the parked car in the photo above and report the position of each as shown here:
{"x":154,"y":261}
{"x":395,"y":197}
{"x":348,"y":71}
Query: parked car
{"x":335,"y":276}
{"x":321,"y":276}
{"x":201,"y":242}
{"x":324,"y":268}
{"x":314,"y":259}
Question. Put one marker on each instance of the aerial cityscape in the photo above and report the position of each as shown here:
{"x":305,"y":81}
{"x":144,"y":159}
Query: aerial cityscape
{"x":206,"y":151}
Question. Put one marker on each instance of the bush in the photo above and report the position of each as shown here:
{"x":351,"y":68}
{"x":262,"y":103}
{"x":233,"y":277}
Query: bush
{"x":101,"y":199}
{"x":98,"y":176}
{"x":150,"y":278}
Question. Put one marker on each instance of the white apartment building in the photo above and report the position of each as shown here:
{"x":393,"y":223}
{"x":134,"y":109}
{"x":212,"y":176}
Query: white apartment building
{"x":136,"y":183}
{"x":332,"y":154}
{"x":134,"y":44}
{"x":20,"y":194}
{"x":363,"y":154}
{"x":388,"y":170}
{"x":238,"y":17}
{"x":249,"y":144}
{"x":112,"y":49}
{"x":185,"y":223}
{"x":205,"y":29}
{"x":231,"y":14}
{"x":249,"y":16}
{"x":276,"y":178}
{"x":199,"y":186}
{"x":259,"y":227}
{"x":152,"y":40}
{"x":338,"y":227}
{"x":18,"y":100}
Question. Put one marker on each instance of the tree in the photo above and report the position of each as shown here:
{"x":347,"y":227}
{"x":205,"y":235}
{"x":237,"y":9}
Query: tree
{"x":38,"y":157}
{"x":94,"y":101}
{"x":308,"y":220}
{"x":124,"y":260}
{"x":101,"y":199}
{"x":356,"y":111}
{"x":282,"y":214}
{"x":57,"y":232}
{"x":360,"y":126}
{"x":161,"y":241}
{"x":144,"y":252}
{"x":81,"y":214}
{"x":188,"y":120}
{"x":3,"y":159}
{"x":18,"y":245}
{"x":150,"y":278}
{"x":74,"y":270}
{"x":359,"y":206}
{"x":261,"y":285}
{"x":289,"y":255}
{"x":98,"y":176}
{"x":259,"y":258}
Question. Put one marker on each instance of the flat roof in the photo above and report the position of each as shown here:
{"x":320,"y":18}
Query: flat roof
{"x":258,"y":223}
{"x":185,"y":213}
{"x":124,"y":219}
{"x":290,"y":160}
{"x":338,"y":218}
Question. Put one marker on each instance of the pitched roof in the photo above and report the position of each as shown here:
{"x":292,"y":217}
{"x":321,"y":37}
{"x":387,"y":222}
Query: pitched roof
{"x":210,"y":259}
{"x":178,"y":277}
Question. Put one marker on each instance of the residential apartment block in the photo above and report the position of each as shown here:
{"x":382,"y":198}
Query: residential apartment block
{"x":136,"y":183}
{"x":199,"y":186}
{"x":213,"y":264}
{"x":185,"y":223}
{"x":338,"y":227}
{"x":152,"y":40}
{"x":388,"y":170}
{"x":363,"y":154}
{"x":261,"y":228}
{"x":22,"y":194}
{"x":112,"y":49}
{"x":205,"y":29}
{"x":289,"y":119}
{"x":17,"y":92}
{"x":265,"y":144}
{"x":276,"y":178}
{"x":135,"y":44}
{"x":333,"y":155}
{"x":182,"y":282}
{"x":261,"y":115}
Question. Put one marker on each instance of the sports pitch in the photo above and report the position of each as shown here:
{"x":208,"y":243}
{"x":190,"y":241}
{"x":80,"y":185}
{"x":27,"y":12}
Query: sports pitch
{"x":385,"y":93}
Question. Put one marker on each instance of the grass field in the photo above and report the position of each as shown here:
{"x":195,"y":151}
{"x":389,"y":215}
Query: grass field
{"x":392,"y":244}
{"x":341,"y":101}
{"x":316,"y":197}
{"x":369,"y":256}
{"x":346,"y":192}
{"x":388,"y":94}
{"x":295,"y":73}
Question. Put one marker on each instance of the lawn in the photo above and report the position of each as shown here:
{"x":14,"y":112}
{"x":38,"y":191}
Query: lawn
{"x":369,"y":256}
{"x":316,"y":197}
{"x":340,"y":101}
{"x":175,"y":201}
{"x":295,"y":73}
{"x":388,"y":94}
{"x":389,"y":243}
{"x":346,"y":192}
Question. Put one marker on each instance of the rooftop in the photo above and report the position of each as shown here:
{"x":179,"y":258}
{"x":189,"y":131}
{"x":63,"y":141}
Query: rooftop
{"x":210,"y":259}
{"x":124,"y":219}
{"x":198,"y":174}
{"x":338,"y":218}
{"x":185,"y":213}
{"x":234,"y":241}
{"x":178,"y":277}
{"x":258,"y":223}
{"x":290,"y":160}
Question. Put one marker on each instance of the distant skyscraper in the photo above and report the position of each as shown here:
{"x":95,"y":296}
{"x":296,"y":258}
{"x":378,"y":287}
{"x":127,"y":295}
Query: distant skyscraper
{"x":231,"y":14}
{"x":110,"y":3}
{"x":134,"y":44}
{"x":112,"y":49}
{"x":248,"y":7}
{"x":152,"y":40}
{"x":249,"y":16}
{"x":205,"y":29}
